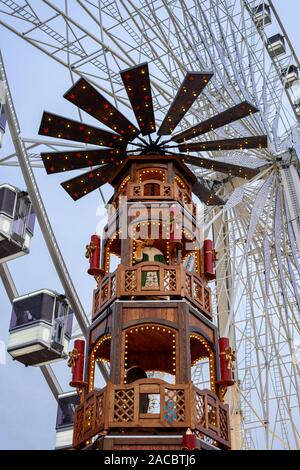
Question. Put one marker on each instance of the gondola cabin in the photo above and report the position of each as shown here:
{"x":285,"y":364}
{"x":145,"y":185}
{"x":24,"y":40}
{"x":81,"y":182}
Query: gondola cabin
{"x":290,"y":75}
{"x":262,"y":15}
{"x":297,"y":110}
{"x":16,"y":222}
{"x":65,"y":417}
{"x":40,"y":328}
{"x":276,"y":45}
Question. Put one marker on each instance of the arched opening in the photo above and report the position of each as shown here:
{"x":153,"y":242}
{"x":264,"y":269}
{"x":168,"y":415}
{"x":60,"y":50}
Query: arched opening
{"x":123,"y":185}
{"x":150,"y":353}
{"x":202,"y":363}
{"x":151,"y":174}
{"x":114,"y":261}
{"x":100,"y":353}
{"x":152,"y":348}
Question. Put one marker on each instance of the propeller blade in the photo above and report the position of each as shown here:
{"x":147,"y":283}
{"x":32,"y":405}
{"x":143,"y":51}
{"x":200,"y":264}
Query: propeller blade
{"x":56,"y":162}
{"x":206,"y":195}
{"x":87,"y":182}
{"x":191,"y":87}
{"x":259,"y":141}
{"x":137,"y":84}
{"x":53,"y":125}
{"x":86,"y":97}
{"x":222,"y":167}
{"x":226,"y":117}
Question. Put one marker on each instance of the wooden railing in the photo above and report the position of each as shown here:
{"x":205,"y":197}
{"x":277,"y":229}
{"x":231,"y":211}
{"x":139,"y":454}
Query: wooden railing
{"x":152,"y":403}
{"x":164,"y":191}
{"x":168,"y":279}
{"x":105,"y":293}
{"x":172,"y":282}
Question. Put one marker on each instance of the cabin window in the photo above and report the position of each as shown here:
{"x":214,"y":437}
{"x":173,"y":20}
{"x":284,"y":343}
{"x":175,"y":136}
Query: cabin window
{"x":21,"y":217}
{"x":7,"y":201}
{"x":35,"y":308}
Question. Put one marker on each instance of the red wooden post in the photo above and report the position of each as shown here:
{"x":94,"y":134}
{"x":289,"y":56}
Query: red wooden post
{"x":189,"y":440}
{"x":209,"y":259}
{"x":76,"y":361}
{"x":93,"y":254}
{"x":227,"y":357}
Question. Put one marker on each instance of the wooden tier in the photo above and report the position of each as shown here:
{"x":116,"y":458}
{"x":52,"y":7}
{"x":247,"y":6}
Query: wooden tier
{"x":154,"y":191}
{"x":174,"y":282}
{"x":119,"y":408}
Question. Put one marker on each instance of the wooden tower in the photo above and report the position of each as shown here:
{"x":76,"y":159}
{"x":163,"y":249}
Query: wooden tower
{"x":153,"y":314}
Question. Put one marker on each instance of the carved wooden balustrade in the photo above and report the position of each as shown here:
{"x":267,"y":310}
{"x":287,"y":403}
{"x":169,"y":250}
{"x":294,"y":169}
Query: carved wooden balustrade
{"x":173,"y":282}
{"x":152,"y":403}
{"x":163,"y":191}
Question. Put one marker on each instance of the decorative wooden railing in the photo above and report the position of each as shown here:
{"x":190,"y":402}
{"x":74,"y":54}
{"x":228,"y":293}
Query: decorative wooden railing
{"x":173,"y":282}
{"x":176,"y":407}
{"x":163,"y":191}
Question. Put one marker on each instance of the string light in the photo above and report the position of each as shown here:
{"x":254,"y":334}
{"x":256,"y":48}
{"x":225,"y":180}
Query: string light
{"x":210,"y":356}
{"x":124,"y":182}
{"x":107,"y":250}
{"x":180,"y":182}
{"x":148,"y":172}
{"x":92,"y":360}
{"x":138,"y":330}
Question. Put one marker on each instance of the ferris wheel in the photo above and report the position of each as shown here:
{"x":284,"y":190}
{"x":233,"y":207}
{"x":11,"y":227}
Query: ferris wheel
{"x":256,"y":231}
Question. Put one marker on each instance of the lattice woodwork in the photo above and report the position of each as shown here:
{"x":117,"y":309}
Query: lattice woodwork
{"x":78,"y":428}
{"x":130,"y":281}
{"x":113,"y":286}
{"x":174,"y":405}
{"x":198,"y":291}
{"x":223,"y":420}
{"x":96,"y":300}
{"x":170,"y":283}
{"x":200,"y":409}
{"x":212,"y":416}
{"x":99,"y":418}
{"x":207,"y":300}
{"x":104,"y":292}
{"x":124,"y":405}
{"x":188,"y":284}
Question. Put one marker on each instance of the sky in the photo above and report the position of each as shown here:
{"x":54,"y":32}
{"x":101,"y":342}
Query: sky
{"x":27,"y":407}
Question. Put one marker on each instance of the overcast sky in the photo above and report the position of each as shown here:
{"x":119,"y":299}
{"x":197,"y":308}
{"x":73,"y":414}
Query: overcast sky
{"x":27,"y":408}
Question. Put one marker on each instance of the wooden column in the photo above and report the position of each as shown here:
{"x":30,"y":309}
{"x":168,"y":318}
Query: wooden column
{"x":170,"y":173}
{"x":116,"y":343}
{"x":124,"y":221}
{"x":183,"y":350}
{"x":133,"y":173}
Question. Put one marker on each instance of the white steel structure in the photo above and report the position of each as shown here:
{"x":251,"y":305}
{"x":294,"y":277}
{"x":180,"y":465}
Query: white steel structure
{"x":257,"y":232}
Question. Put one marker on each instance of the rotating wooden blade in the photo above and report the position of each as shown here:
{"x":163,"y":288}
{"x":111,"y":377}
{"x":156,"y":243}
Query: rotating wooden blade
{"x":137,"y":84}
{"x":56,"y":162}
{"x":190,"y":89}
{"x":255,"y":142}
{"x":87,"y":182}
{"x":226,"y":117}
{"x":86,"y":97}
{"x":222,"y":167}
{"x":53,"y":125}
{"x":206,"y":195}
